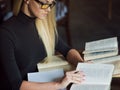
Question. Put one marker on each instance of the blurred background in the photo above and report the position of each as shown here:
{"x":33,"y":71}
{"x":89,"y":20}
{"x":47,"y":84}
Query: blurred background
{"x":91,"y":20}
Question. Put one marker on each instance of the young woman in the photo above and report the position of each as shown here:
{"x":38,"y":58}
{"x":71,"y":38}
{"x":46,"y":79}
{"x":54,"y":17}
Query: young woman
{"x":28,"y":38}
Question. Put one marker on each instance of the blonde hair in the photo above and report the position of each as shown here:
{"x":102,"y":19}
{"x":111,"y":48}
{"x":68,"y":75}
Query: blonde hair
{"x":16,"y":6}
{"x":47,"y":31}
{"x":46,"y":28}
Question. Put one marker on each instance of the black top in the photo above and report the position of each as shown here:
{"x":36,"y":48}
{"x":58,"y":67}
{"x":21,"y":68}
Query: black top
{"x":20,"y":50}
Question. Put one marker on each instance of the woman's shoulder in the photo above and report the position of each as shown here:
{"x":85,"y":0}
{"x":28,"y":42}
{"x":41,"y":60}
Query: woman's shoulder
{"x":9,"y":23}
{"x":7,"y":27}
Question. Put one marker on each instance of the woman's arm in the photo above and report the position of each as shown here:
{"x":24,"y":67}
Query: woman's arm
{"x":73,"y":56}
{"x":70,"y":77}
{"x":26,"y":85}
{"x":11,"y":74}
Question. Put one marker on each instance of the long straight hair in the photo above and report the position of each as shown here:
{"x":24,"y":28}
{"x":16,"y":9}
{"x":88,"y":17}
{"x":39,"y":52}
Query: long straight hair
{"x":47,"y":32}
{"x":46,"y":28}
{"x":17,"y":6}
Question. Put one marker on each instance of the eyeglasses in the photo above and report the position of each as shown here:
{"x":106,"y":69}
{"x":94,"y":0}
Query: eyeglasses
{"x":46,"y":5}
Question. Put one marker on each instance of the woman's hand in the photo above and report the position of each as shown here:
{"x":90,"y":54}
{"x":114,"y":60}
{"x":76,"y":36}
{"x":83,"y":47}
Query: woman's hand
{"x":74,"y":57}
{"x":72,"y":77}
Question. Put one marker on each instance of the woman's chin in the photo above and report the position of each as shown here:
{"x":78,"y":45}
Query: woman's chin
{"x":42,"y":17}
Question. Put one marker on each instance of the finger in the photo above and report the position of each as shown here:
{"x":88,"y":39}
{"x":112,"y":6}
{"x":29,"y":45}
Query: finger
{"x":79,"y":73}
{"x":74,"y":71}
{"x":70,"y":72}
{"x":77,"y":79}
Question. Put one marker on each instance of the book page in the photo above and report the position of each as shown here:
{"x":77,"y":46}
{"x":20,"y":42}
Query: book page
{"x":89,"y":87}
{"x":115,"y":60}
{"x":103,"y":44}
{"x":95,"y":75}
{"x":99,"y":50}
{"x":97,"y":55}
{"x":110,"y":60}
{"x":46,"y":76}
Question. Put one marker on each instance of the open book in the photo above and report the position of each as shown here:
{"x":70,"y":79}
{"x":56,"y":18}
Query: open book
{"x":101,"y":48}
{"x":97,"y":76}
{"x":46,"y":76}
{"x":104,"y":51}
{"x":115,"y":60}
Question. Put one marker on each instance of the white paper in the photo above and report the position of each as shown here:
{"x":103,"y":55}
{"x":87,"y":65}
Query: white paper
{"x":97,"y":76}
{"x":46,"y":76}
{"x":101,"y":48}
{"x":90,"y":87}
{"x":115,"y":60}
{"x":103,"y":44}
{"x":97,"y":55}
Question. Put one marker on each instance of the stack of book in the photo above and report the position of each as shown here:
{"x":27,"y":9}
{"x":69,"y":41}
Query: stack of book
{"x":103,"y":51}
{"x":55,"y":62}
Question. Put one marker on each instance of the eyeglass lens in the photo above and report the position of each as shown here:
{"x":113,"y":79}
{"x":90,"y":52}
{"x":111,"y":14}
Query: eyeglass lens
{"x":46,"y":5}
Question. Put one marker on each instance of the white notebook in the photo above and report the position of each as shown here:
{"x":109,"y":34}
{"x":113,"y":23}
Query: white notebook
{"x":46,"y":76}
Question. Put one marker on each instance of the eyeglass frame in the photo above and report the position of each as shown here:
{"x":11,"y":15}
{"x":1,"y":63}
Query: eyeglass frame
{"x":46,"y":5}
